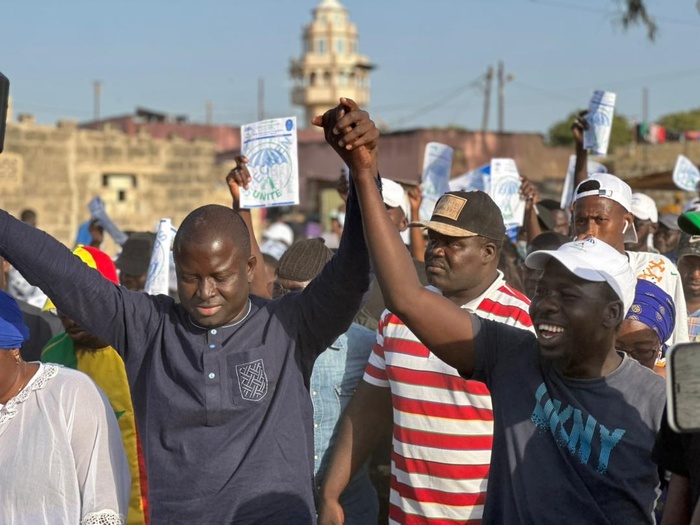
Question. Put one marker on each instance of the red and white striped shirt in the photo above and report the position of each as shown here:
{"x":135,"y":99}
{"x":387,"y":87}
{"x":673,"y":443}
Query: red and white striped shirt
{"x":443,"y":424}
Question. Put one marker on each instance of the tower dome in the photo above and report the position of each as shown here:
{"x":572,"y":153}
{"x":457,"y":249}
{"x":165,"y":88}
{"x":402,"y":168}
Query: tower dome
{"x":330,"y":66}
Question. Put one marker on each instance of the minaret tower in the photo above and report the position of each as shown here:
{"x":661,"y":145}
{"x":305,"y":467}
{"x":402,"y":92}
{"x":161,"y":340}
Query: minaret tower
{"x":331,"y":66}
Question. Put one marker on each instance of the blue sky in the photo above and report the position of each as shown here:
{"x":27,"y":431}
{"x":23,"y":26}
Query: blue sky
{"x":174,"y":55}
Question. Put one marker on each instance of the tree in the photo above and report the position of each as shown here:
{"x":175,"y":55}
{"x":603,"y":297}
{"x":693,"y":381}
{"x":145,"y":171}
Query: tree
{"x":682,"y":121}
{"x":560,"y":132}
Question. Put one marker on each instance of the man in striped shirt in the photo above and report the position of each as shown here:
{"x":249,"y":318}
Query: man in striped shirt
{"x":442,"y":424}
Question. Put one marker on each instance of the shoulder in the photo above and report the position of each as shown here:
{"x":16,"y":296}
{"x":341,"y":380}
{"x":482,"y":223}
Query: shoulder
{"x":644,"y":387}
{"x":506,"y":305}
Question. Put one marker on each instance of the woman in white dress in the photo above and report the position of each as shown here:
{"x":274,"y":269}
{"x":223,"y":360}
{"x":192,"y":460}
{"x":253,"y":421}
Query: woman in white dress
{"x":61,"y":455}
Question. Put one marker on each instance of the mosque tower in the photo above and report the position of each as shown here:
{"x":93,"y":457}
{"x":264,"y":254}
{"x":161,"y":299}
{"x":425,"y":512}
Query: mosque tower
{"x":331,"y":66}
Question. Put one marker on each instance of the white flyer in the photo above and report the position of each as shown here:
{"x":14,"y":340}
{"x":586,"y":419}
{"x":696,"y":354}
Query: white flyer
{"x":271,"y":149}
{"x":567,"y":191}
{"x":686,"y":174}
{"x":600,"y":117}
{"x":472,"y":180}
{"x":437,"y":165}
{"x":505,"y":191}
{"x":158,"y":277}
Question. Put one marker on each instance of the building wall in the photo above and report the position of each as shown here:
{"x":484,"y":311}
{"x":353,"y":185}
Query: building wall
{"x":58,"y":170}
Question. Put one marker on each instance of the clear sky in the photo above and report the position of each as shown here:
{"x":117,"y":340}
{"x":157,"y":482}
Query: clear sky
{"x":174,"y":55}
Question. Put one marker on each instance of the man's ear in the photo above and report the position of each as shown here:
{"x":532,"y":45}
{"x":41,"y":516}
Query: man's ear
{"x":629,"y":220}
{"x":251,"y":264}
{"x":490,"y":251}
{"x":613,"y":314}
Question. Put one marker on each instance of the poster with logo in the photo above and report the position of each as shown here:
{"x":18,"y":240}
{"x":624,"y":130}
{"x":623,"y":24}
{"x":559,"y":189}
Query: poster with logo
{"x":686,"y":174}
{"x":437,"y":165}
{"x":505,"y":191}
{"x":271,"y":149}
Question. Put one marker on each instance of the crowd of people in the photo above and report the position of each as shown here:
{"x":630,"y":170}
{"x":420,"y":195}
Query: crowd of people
{"x":507,"y":383}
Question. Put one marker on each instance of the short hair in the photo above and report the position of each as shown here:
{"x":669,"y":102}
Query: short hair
{"x":213,"y":221}
{"x":548,"y":240}
{"x":28,"y":215}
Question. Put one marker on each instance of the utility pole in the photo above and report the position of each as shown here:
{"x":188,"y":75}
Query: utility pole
{"x":645,"y":105}
{"x":209,"y":113}
{"x":502,"y":80}
{"x":96,"y":85}
{"x":261,"y":98}
{"x":488,"y":83}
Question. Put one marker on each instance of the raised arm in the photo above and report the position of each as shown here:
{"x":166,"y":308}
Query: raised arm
{"x":240,"y":177}
{"x":531,"y":223}
{"x":415,"y":197}
{"x":581,"y":170}
{"x":366,"y":419}
{"x":441,"y":326}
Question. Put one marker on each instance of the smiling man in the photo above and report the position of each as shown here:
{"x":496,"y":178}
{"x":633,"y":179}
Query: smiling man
{"x":574,"y":420}
{"x":219,"y":380}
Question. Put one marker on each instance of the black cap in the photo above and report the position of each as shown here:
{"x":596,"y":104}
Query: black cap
{"x":466,"y":214}
{"x":136,"y":253}
{"x":688,"y":245}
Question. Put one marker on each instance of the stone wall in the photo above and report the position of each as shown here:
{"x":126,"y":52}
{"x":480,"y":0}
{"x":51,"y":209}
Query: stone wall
{"x":58,"y":170}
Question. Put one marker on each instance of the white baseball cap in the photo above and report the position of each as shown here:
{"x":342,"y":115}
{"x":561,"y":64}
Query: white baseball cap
{"x":394,"y":195}
{"x":279,"y":231}
{"x":644,"y":207}
{"x":592,"y":260}
{"x":610,"y":187}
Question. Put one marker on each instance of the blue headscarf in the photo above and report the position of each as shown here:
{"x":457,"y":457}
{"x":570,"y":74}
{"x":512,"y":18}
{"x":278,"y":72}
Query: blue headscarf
{"x":654,"y":308}
{"x":13,"y":331}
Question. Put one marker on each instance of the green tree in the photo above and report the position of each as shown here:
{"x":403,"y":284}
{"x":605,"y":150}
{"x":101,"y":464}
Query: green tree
{"x":560,"y":132}
{"x":682,"y":121}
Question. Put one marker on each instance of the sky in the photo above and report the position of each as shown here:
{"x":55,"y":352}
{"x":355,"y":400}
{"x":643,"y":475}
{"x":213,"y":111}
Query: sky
{"x":175,"y":55}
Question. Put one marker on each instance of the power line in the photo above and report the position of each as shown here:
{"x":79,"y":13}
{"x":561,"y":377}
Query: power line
{"x":476,"y":83}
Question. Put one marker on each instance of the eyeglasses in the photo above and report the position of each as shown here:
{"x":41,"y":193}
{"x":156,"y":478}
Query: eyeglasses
{"x":641,"y":354}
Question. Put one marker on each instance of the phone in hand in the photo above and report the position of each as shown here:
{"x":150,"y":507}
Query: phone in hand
{"x":4,"y":103}
{"x":683,"y":387}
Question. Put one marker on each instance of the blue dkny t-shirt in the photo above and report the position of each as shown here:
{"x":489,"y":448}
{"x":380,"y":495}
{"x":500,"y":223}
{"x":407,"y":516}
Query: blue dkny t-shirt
{"x":566,"y":450}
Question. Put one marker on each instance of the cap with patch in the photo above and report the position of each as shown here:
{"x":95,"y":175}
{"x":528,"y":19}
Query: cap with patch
{"x":688,"y":245}
{"x":608,"y":186}
{"x":466,"y":214}
{"x":644,"y":207}
{"x":592,"y":260}
{"x":394,"y":195}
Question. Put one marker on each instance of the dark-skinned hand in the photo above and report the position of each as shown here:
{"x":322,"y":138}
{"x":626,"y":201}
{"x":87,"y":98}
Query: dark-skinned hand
{"x":529,"y":193}
{"x":239,"y":177}
{"x":352,"y":134}
{"x":578,"y":128}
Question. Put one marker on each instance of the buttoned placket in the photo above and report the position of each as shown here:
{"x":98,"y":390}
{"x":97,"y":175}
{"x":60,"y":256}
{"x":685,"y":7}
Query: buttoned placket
{"x":212,"y":377}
